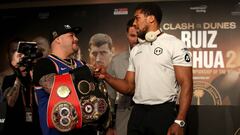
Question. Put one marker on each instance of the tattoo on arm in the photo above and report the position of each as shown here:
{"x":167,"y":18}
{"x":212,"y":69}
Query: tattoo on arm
{"x":47,"y":82}
{"x":11,"y":94}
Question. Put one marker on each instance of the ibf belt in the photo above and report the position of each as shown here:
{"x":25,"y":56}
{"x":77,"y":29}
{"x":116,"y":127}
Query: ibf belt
{"x":64,"y":109}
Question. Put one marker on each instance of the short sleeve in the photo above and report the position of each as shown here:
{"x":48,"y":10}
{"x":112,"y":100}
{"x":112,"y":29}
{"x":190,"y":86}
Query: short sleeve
{"x":131,"y":66}
{"x":181,"y":55}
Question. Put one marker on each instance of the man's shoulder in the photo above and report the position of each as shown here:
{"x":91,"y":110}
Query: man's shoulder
{"x":8,"y":80}
{"x":43,"y":63}
{"x":170,"y":39}
{"x":43,"y":60}
{"x":168,"y":36}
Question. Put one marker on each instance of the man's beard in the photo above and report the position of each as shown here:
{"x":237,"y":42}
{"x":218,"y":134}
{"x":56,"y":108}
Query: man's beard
{"x":141,"y":33}
{"x":75,"y":49}
{"x":75,"y":46}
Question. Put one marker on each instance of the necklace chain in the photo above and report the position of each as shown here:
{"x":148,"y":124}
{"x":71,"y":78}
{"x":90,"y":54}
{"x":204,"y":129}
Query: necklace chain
{"x":71,"y":63}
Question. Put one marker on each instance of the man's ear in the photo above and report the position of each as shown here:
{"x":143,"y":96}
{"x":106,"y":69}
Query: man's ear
{"x":150,"y":19}
{"x":113,"y":50}
{"x":58,"y":39}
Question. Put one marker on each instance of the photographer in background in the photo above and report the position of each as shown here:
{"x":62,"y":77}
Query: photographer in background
{"x":22,"y":115}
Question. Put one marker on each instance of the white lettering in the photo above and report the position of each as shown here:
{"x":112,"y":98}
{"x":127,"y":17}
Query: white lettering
{"x":208,"y":59}
{"x":199,"y":39}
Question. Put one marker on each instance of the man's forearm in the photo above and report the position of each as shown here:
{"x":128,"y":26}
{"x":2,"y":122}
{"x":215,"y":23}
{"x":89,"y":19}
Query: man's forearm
{"x":184,"y":102}
{"x":121,"y":85}
{"x":11,"y":94}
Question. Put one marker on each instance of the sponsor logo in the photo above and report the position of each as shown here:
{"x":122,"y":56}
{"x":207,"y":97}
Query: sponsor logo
{"x":2,"y":120}
{"x":63,"y":68}
{"x":187,"y":57}
{"x":120,"y":11}
{"x":158,"y":51}
{"x":199,"y":9}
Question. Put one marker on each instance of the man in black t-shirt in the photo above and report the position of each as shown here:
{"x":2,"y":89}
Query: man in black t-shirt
{"x":64,"y":44}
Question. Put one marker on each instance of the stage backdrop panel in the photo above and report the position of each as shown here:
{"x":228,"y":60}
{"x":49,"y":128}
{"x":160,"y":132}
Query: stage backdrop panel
{"x":209,"y":29}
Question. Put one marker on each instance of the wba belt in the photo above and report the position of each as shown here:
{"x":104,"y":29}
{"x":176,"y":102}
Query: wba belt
{"x":78,"y":99}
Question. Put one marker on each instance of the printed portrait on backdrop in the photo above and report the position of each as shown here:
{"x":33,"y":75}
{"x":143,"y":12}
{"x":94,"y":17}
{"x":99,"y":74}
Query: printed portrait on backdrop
{"x":100,"y":49}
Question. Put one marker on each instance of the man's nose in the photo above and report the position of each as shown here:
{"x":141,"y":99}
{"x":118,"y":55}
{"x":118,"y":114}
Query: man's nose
{"x":75,"y":38}
{"x":98,"y":57}
{"x":134,"y":23}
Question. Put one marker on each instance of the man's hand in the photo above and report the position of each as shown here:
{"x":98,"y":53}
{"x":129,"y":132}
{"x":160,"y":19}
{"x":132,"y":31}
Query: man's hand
{"x":100,"y":71}
{"x":175,"y":129}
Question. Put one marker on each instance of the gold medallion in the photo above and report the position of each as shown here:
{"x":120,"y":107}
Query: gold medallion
{"x":84,"y":87}
{"x":63,"y":91}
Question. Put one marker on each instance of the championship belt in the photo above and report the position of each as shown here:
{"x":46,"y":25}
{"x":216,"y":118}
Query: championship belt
{"x":64,"y":109}
{"x":93,"y":96}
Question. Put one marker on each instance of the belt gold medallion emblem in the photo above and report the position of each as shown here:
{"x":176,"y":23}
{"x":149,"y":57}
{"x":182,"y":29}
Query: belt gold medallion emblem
{"x":63,"y":91}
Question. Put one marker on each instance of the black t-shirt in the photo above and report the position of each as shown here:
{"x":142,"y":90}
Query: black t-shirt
{"x":15,"y":117}
{"x":42,"y":67}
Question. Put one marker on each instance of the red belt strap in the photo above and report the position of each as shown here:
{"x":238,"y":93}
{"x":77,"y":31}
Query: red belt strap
{"x":63,"y":98}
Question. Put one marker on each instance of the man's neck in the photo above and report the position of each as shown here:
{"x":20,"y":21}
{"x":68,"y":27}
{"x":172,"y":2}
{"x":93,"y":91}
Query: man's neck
{"x":154,"y":27}
{"x":60,"y":55}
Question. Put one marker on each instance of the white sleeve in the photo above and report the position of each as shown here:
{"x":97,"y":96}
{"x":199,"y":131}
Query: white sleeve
{"x":181,"y":55}
{"x":131,"y":66}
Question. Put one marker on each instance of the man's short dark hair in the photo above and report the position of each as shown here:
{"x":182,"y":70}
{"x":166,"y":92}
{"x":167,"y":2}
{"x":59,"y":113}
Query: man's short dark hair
{"x":151,"y":8}
{"x":100,"y":39}
{"x":130,"y":23}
